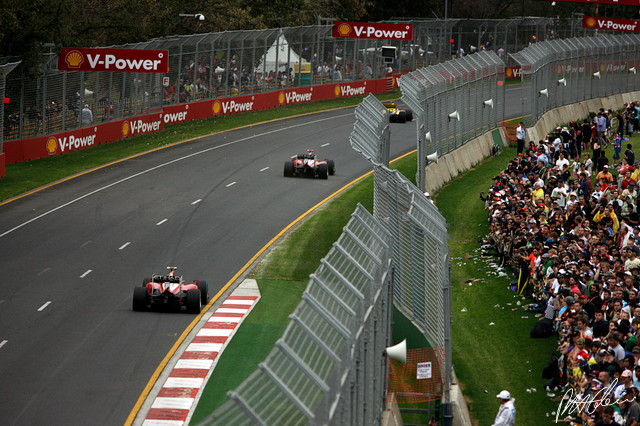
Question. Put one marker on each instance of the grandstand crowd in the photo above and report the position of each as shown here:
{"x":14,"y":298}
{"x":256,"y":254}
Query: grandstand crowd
{"x":563,"y":216}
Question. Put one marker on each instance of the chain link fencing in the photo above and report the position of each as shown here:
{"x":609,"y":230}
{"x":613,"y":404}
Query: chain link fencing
{"x":328,"y":367}
{"x":563,"y":72}
{"x":454,"y":102}
{"x":218,"y":65}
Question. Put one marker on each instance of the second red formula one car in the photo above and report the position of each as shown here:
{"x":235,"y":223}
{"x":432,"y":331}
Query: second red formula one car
{"x":309,"y":165}
{"x":170,"y":292}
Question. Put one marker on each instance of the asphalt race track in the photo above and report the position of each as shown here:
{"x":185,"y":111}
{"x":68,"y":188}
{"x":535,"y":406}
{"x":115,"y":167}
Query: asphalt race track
{"x":72,"y":351}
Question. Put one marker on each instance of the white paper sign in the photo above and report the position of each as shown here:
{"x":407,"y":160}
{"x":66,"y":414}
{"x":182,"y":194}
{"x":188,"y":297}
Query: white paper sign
{"x":424,"y":370}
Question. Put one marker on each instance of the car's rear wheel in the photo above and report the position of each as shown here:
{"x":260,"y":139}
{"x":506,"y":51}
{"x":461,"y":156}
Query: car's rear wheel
{"x":204,"y":291}
{"x":322,"y":171}
{"x":193,"y":301}
{"x":409,"y":115}
{"x":332,"y":167}
{"x":140,"y":299}
{"x":402,"y":117}
{"x":288,"y":168}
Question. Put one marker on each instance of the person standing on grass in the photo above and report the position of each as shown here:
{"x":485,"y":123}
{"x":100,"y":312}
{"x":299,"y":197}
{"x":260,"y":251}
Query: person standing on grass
{"x":507,"y":414}
{"x":520,"y":137}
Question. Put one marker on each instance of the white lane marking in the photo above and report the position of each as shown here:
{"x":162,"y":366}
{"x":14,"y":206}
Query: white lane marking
{"x":85,"y":244}
{"x":4,"y":342}
{"x":44,"y":270}
{"x":263,"y":169}
{"x":159,"y":166}
{"x":325,"y":144}
{"x":43,"y":307}
{"x":196,"y":201}
{"x":122,"y":247}
{"x":86,"y":273}
{"x":162,"y":221}
{"x":231,"y":184}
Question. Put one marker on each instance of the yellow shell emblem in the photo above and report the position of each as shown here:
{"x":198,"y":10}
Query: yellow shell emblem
{"x":74,"y":59}
{"x":344,"y":29}
{"x":216,"y":107}
{"x":591,"y":22}
{"x":337,"y":90}
{"x":52,"y":145}
{"x":281,"y":98}
{"x":125,"y":128}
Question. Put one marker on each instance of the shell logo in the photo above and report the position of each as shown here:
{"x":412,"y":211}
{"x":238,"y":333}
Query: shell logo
{"x":52,"y":145}
{"x":590,"y":22}
{"x":216,"y":107}
{"x":125,"y":128}
{"x":602,"y":68}
{"x":344,"y":29}
{"x":281,"y":98}
{"x":74,"y":59}
{"x":509,"y":72}
{"x":337,"y":90}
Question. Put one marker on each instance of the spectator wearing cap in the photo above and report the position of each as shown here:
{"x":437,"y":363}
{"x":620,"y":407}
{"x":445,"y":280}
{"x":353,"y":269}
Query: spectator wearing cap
{"x":507,"y":413}
{"x":428,"y":196}
{"x":605,"y":177}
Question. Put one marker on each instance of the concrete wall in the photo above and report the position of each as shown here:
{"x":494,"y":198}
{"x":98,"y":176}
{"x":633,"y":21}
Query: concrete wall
{"x":473,"y":152}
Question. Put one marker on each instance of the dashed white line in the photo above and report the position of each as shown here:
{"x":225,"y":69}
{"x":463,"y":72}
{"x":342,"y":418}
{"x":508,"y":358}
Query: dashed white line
{"x":162,"y":221}
{"x":44,"y":270}
{"x":122,"y":247}
{"x":196,"y":201}
{"x":231,"y":184}
{"x":4,"y":342}
{"x":85,"y":244}
{"x":325,"y":144}
{"x":43,"y":307}
{"x":263,"y":169}
{"x":112,"y":184}
{"x":86,"y":273}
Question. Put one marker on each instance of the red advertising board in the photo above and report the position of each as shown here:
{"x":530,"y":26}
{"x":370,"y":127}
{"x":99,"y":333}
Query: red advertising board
{"x":381,"y":31}
{"x":113,"y":60}
{"x":620,"y":2}
{"x":60,"y":143}
{"x":612,"y":24}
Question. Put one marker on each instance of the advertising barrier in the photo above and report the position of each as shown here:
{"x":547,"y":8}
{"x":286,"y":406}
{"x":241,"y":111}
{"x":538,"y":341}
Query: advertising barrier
{"x":60,"y":143}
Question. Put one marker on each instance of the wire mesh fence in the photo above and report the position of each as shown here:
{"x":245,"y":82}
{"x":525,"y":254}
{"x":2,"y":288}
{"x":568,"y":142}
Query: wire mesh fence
{"x":234,"y":63}
{"x":563,"y":72}
{"x":328,"y":367}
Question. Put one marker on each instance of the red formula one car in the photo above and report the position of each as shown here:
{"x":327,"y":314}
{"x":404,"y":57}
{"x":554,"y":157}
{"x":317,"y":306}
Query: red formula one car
{"x":309,"y":165}
{"x":170,"y":292}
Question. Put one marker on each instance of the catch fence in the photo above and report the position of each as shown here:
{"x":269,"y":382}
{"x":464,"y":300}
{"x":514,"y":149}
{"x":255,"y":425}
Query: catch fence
{"x":219,"y":65}
{"x":328,"y":367}
{"x":563,"y":72}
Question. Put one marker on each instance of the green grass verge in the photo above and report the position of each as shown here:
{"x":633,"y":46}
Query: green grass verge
{"x":26,"y":176}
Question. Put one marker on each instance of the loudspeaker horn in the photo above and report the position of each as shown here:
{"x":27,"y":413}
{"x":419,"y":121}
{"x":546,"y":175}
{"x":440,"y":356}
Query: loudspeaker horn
{"x":427,"y":137}
{"x":488,"y":103}
{"x":596,"y":74}
{"x":454,"y":115}
{"x":632,"y":69}
{"x":397,"y":352}
{"x":433,"y":158}
{"x":544,"y":92}
{"x":562,"y":81}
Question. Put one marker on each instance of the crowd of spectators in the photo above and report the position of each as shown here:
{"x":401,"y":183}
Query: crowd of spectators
{"x":563,"y":216}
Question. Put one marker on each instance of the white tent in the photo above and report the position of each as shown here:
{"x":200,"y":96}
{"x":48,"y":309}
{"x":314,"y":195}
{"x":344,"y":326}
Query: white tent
{"x":286,"y":58}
